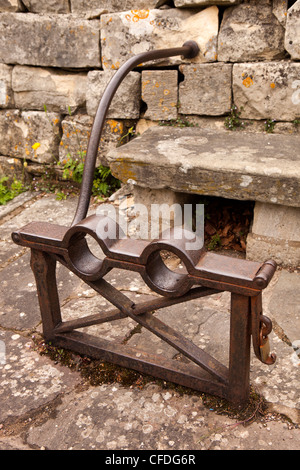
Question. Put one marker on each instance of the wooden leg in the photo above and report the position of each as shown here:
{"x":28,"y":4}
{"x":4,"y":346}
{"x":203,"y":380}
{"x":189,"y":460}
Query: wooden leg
{"x":239,"y":361}
{"x":44,"y":268}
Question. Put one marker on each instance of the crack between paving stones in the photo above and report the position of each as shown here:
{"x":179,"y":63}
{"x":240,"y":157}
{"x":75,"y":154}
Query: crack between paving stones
{"x":13,"y":258}
{"x":19,"y":209}
{"x":20,"y":425}
{"x":24,"y":333}
{"x":179,"y":356}
{"x":280,"y":333}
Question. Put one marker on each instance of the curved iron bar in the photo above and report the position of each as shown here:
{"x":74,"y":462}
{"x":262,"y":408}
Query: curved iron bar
{"x":189,"y":50}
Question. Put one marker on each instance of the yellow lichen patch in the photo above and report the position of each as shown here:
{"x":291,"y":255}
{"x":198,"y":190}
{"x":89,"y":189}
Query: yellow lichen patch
{"x":115,"y":66}
{"x":248,"y":82}
{"x":104,"y":62}
{"x":273,"y":85}
{"x":123,"y":170}
{"x":137,"y":15}
{"x":144,"y":84}
{"x":115,"y":126}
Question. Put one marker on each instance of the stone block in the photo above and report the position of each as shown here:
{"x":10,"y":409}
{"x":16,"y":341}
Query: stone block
{"x":202,"y":3}
{"x":49,"y":40}
{"x":275,"y":234}
{"x":76,"y":133}
{"x":11,"y":168}
{"x":206,"y":89}
{"x":126,"y":102}
{"x":6,"y":93}
{"x":154,"y":211}
{"x":292,"y":36}
{"x":143,"y":125}
{"x":128,"y":33}
{"x":269,"y":90}
{"x":96,"y":8}
{"x":250,"y":32}
{"x":160,"y":93}
{"x":260,"y":167}
{"x":36,"y":87}
{"x":280,"y":10}
{"x":10,"y":5}
{"x":47,"y":6}
{"x":21,"y":130}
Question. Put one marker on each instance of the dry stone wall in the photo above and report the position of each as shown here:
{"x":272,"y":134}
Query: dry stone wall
{"x":56,"y":57}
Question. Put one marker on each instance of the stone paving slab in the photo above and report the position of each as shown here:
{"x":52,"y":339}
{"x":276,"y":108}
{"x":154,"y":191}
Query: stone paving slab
{"x":285,"y":304}
{"x":45,"y":405}
{"x":29,"y":381}
{"x":45,"y":209}
{"x":18,"y":298}
{"x":8,"y":252}
{"x":16,"y":203}
{"x":114,"y":418}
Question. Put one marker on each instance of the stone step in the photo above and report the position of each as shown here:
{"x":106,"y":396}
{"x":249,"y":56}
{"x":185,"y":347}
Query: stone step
{"x":235,"y":165}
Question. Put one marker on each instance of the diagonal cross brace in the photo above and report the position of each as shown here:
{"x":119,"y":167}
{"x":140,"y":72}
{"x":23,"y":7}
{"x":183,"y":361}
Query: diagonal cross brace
{"x":160,"y":329}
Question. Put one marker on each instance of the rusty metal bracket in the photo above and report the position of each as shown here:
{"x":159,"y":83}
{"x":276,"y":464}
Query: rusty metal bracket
{"x":205,"y":274}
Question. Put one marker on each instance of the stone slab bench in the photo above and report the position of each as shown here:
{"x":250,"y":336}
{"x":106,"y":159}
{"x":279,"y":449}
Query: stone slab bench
{"x":264,"y":168}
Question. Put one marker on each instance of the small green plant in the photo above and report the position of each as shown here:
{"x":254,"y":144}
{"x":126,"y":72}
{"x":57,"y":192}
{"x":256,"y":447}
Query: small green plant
{"x":104,"y":183}
{"x":181,"y":121}
{"x":296,"y":122}
{"x":270,"y":125}
{"x":60,"y":196}
{"x":214,"y":242}
{"x":10,"y":191}
{"x":73,"y":169}
{"x":233,"y":121}
{"x":126,"y":137}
